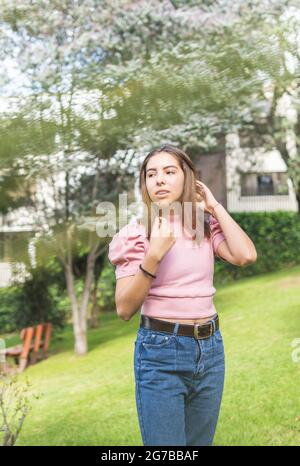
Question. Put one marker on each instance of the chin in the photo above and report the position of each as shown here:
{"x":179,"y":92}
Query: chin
{"x":162,"y":202}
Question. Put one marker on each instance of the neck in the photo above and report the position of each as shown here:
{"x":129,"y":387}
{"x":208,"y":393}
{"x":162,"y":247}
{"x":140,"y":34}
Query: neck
{"x":174,"y":216}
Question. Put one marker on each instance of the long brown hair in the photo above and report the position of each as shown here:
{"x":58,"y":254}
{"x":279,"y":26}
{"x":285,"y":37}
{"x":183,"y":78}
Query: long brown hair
{"x":189,"y":190}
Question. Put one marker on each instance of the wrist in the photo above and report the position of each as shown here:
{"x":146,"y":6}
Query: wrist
{"x":152,"y":258}
{"x":147,"y":273}
{"x":213,"y":207}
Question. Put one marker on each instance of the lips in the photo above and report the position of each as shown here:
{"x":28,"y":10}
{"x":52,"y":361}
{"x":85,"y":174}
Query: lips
{"x":162,"y":192}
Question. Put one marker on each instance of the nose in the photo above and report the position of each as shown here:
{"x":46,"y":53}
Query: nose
{"x":160,"y":178}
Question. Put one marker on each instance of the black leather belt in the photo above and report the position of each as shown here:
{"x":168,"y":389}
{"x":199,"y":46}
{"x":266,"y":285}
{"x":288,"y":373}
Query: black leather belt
{"x":197,"y":331}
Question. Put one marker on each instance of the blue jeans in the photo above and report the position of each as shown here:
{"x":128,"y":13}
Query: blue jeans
{"x":178,"y":386}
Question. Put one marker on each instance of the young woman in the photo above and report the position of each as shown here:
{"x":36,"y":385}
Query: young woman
{"x":179,"y":362}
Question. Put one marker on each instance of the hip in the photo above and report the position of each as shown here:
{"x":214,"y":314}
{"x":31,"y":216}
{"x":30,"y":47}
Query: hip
{"x":157,"y":350}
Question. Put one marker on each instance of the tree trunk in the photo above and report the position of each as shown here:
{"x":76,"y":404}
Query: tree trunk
{"x":95,"y":309}
{"x":79,"y":312}
{"x":80,"y":334}
{"x":298,"y":201}
{"x":79,"y":328}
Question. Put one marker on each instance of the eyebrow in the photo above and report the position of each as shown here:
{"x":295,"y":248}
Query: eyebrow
{"x":168,"y":166}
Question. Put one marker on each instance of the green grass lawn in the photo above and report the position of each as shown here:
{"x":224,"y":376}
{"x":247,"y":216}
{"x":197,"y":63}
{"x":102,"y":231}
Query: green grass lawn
{"x":90,"y":400}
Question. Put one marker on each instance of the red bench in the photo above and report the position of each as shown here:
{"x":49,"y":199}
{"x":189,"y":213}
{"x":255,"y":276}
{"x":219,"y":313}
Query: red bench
{"x":34,"y":347}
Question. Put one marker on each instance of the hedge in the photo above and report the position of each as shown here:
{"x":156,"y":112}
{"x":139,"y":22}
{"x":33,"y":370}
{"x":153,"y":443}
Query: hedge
{"x":276,"y":236}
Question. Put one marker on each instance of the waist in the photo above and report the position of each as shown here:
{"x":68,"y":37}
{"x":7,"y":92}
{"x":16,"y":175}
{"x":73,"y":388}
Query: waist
{"x":182,"y":291}
{"x":187,"y":308}
{"x":197,"y":331}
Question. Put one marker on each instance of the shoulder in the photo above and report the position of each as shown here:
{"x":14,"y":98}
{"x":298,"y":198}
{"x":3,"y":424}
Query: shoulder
{"x":133,"y":229}
{"x":128,"y":242}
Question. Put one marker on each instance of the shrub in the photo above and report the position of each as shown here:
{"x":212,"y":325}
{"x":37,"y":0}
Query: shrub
{"x":276,"y":236}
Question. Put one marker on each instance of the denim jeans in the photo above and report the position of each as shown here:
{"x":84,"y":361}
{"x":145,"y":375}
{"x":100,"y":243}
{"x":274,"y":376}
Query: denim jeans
{"x":178,"y":386}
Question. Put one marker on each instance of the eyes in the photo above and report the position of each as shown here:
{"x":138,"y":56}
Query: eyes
{"x":168,"y":172}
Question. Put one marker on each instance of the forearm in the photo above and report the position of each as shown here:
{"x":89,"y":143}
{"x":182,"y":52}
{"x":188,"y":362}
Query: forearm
{"x":239,"y":243}
{"x":137,"y":290}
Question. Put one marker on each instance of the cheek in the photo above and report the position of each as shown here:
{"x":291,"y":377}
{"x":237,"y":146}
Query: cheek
{"x":150,"y":185}
{"x":178,"y":183}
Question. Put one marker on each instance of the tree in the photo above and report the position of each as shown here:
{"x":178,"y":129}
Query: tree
{"x":105,"y":81}
{"x":81,"y":51}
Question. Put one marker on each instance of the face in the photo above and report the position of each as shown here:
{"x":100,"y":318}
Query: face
{"x":163,"y":172}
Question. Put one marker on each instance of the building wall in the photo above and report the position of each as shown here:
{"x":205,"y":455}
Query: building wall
{"x":211,"y":170}
{"x":244,"y":160}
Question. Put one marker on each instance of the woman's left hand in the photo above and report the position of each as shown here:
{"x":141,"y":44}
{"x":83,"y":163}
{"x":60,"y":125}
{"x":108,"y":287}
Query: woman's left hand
{"x":205,"y":197}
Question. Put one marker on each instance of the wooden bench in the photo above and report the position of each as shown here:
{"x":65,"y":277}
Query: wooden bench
{"x":34,"y":347}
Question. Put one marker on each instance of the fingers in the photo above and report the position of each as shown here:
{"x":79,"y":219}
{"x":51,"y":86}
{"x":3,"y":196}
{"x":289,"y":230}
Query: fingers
{"x":199,"y":186}
{"x":158,"y":222}
{"x":159,"y":215}
{"x":165,"y":228}
{"x":200,"y":192}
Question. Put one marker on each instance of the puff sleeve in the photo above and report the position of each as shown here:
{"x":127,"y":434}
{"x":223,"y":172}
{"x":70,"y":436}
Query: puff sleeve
{"x":217,"y":235}
{"x":127,"y":250}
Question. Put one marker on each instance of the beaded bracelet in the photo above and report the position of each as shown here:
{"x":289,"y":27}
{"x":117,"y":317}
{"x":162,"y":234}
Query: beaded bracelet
{"x":146,"y":272}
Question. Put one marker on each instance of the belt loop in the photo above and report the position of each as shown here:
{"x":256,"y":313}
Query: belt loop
{"x":176,"y":328}
{"x":214,"y":324}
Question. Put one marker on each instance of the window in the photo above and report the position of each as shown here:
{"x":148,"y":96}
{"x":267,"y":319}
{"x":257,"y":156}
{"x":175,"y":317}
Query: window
{"x":264,"y":184}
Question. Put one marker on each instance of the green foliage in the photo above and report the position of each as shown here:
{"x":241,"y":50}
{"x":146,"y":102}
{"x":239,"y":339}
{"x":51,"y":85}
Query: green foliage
{"x":8,"y":298}
{"x":106,"y":287}
{"x":15,"y":406}
{"x":90,"y":400}
{"x":14,"y":246}
{"x":35,"y":302}
{"x":41,"y":298}
{"x":276,"y":236}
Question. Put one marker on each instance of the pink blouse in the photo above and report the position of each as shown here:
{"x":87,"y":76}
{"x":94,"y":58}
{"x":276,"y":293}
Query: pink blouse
{"x":183,"y":287}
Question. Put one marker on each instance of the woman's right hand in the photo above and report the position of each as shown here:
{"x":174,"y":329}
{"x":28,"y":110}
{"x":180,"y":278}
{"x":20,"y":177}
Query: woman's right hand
{"x":162,"y":238}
